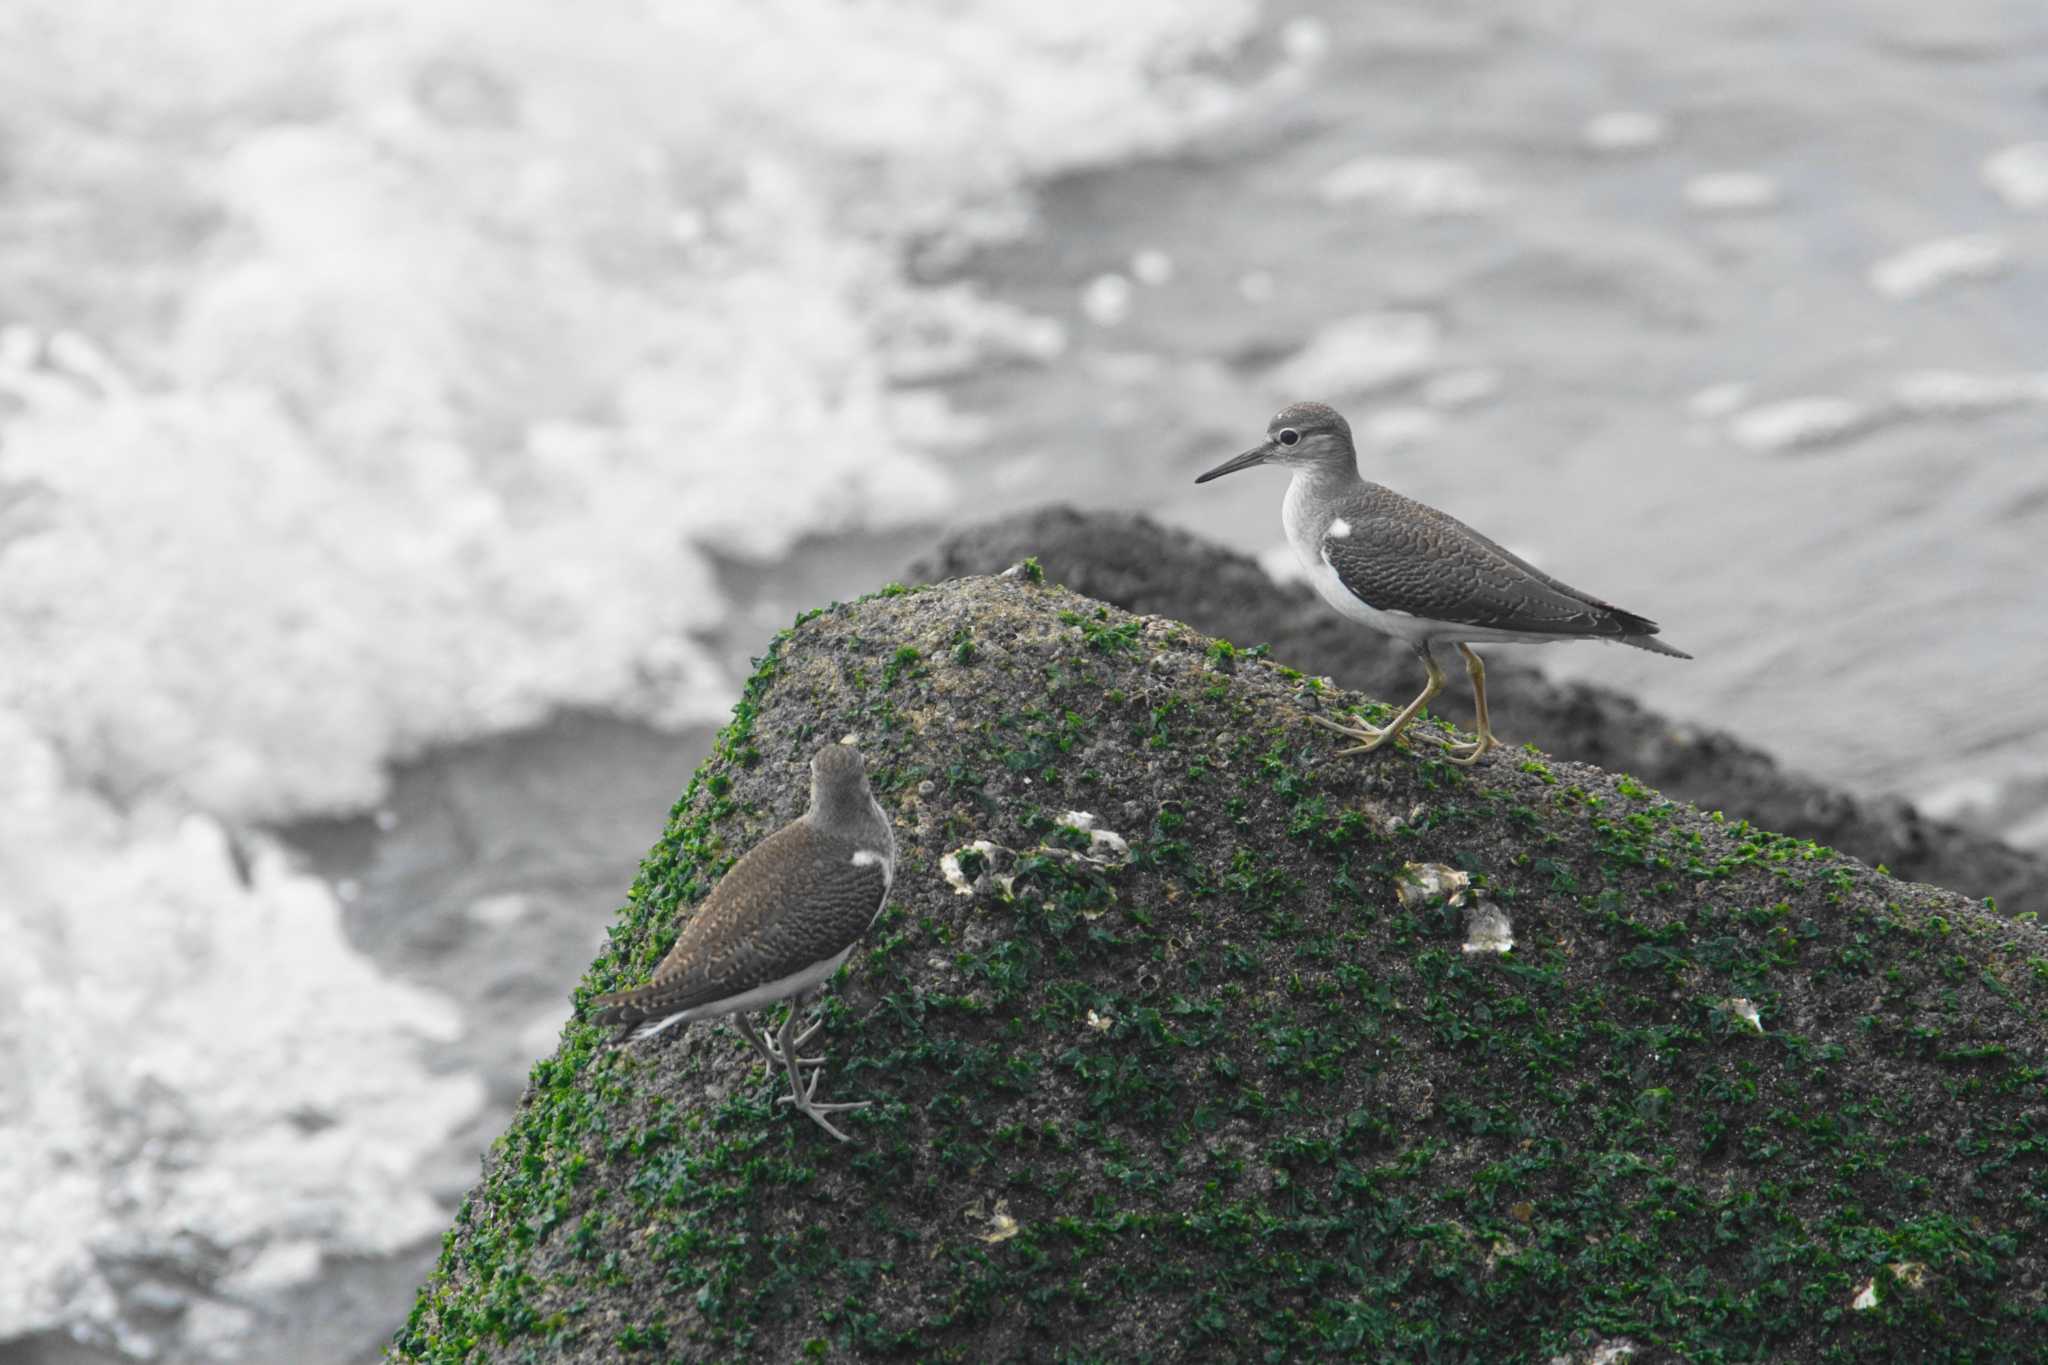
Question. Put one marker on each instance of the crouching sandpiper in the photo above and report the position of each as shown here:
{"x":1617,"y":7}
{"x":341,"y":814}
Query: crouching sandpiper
{"x":776,"y":927}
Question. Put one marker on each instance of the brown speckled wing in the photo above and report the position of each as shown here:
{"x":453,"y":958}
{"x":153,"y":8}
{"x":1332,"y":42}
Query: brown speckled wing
{"x":1406,"y":556}
{"x":795,"y":899}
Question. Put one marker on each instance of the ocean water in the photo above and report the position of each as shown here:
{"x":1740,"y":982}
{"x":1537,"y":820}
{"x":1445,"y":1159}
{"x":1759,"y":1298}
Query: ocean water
{"x":382,"y":377}
{"x":1735,"y":313}
{"x":413,"y":414}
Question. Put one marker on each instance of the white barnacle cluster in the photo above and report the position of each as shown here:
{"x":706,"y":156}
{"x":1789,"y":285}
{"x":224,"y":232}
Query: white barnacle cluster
{"x":1106,"y":847}
{"x":1487,"y":927}
{"x":956,"y":876}
{"x":1420,"y":883}
{"x":992,"y":864}
{"x":996,"y":1222}
{"x":1610,"y":1352}
{"x":1912,"y":1275}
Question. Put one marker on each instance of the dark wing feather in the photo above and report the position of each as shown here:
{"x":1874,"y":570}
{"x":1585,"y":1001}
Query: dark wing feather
{"x":1405,"y":556}
{"x":794,"y":900}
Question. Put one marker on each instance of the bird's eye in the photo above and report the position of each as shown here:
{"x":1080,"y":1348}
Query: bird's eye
{"x":1288,"y":436}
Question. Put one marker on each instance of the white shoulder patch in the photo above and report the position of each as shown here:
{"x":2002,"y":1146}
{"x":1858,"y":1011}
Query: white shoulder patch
{"x":867,"y":857}
{"x":1340,"y":529}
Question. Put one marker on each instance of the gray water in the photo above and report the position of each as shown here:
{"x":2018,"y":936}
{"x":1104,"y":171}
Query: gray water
{"x":1867,"y":603}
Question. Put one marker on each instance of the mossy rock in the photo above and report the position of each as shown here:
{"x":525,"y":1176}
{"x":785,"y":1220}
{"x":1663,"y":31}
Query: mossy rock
{"x":1133,"y":562}
{"x":1245,"y":1095}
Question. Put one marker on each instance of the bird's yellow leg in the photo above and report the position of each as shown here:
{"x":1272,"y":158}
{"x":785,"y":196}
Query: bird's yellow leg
{"x":1374,"y":737}
{"x":1468,"y":754}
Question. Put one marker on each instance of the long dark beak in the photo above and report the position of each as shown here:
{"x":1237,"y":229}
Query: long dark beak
{"x":1257,"y":455}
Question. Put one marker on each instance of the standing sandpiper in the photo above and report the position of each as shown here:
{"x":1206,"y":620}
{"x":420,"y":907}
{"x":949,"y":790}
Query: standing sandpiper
{"x":1417,"y":574}
{"x":776,"y":927}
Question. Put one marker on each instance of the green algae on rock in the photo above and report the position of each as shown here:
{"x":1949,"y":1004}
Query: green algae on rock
{"x":1181,"y":1049}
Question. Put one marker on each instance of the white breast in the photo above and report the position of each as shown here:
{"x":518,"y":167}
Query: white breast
{"x":1305,"y":531}
{"x":1298,"y":520}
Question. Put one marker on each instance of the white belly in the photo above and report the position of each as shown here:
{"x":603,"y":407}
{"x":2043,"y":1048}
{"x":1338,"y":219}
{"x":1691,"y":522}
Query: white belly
{"x":1414,"y":629}
{"x":796,"y":983}
{"x":767,"y":994}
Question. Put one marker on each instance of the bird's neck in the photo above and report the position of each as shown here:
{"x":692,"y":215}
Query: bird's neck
{"x":1329,"y":479}
{"x":1312,"y":491}
{"x":854,"y":815}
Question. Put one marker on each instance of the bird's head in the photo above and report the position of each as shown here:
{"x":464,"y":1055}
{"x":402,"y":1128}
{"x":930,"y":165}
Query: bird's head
{"x":839,"y":783}
{"x":1300,"y":436}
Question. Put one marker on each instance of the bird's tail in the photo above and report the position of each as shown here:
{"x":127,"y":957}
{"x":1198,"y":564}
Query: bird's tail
{"x":1654,"y":645}
{"x":1640,"y":631}
{"x":639,"y":1013}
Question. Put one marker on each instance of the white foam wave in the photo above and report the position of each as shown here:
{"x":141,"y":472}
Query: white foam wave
{"x":200,"y":1070}
{"x":384,"y":371}
{"x":1932,"y":265}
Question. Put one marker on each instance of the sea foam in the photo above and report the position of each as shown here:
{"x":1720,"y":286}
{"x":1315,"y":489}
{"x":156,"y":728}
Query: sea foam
{"x":382,"y":374}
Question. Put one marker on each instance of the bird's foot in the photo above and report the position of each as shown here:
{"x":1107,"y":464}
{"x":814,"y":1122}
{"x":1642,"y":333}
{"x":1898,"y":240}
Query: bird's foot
{"x":806,"y":1104}
{"x":776,"y":1055}
{"x":810,"y":1089}
{"x":807,"y":1034}
{"x":817,"y":1114}
{"x":1370,"y":737}
{"x":1467,"y":753}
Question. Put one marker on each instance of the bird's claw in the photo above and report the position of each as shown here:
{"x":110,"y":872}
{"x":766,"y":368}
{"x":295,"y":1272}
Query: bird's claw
{"x":817,"y":1116}
{"x":777,"y":1057}
{"x":1466,"y":753}
{"x":806,"y":1104}
{"x":1371,"y":737}
{"x":807,"y":1034}
{"x":1371,"y":734}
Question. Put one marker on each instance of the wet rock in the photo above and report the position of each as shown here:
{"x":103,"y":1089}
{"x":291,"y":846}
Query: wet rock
{"x":1217,"y":1080}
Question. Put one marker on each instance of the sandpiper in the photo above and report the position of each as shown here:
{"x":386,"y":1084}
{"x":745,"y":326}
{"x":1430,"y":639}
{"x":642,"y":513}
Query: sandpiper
{"x":1417,"y":574}
{"x":776,"y":927}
